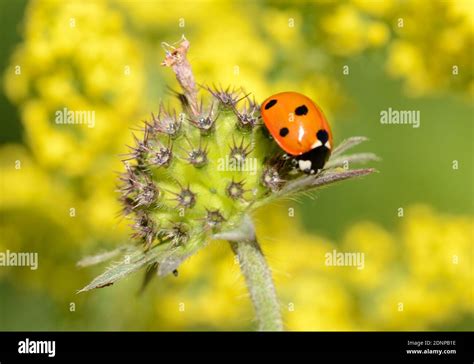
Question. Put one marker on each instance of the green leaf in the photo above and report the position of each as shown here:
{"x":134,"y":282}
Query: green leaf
{"x":351,"y":159}
{"x":130,"y":263}
{"x":336,"y":175}
{"x":167,"y":256}
{"x":324,"y":178}
{"x":348,"y":144}
{"x":103,"y":257}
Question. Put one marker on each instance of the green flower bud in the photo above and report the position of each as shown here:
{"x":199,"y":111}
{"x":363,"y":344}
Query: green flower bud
{"x":200,"y":169}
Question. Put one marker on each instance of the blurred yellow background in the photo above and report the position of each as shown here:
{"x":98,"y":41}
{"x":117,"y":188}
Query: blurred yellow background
{"x":58,"y":183}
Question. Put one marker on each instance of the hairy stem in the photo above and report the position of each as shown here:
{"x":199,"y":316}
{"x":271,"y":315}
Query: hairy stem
{"x":258,"y":278}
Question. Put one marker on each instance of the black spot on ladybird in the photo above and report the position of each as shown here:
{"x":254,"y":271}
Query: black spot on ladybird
{"x":322,"y":136}
{"x":301,"y":110}
{"x":284,"y":132}
{"x":270,"y":103}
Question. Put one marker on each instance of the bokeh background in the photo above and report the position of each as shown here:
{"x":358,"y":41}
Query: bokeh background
{"x":105,"y":56}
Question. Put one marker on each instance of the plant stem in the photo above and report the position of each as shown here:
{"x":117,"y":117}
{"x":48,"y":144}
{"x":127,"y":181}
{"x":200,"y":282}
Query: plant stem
{"x":258,"y":278}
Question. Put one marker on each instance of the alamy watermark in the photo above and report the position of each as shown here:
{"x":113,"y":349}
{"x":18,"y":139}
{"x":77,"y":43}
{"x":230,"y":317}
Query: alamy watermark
{"x":229,"y":164}
{"x":28,"y":346}
{"x":19,"y":259}
{"x":409,"y":117}
{"x":345,"y":259}
{"x":75,"y":117}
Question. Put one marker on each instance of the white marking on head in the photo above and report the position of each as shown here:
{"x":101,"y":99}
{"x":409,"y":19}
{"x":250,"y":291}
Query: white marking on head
{"x":304,"y":165}
{"x":318,"y":143}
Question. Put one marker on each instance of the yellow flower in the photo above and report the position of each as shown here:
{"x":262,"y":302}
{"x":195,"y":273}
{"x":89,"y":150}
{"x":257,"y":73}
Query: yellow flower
{"x":377,"y":34}
{"x":435,"y":273}
{"x":376,"y":7}
{"x":434,"y":56}
{"x":76,"y":56}
{"x":405,"y":60}
{"x":380,"y":255}
{"x":346,"y":30}
{"x":283,"y":26}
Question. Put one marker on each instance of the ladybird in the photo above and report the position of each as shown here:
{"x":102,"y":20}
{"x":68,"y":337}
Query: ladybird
{"x":300,"y":128}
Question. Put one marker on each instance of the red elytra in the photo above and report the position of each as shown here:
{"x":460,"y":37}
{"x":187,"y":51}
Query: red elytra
{"x":294,"y":120}
{"x":299,"y":127}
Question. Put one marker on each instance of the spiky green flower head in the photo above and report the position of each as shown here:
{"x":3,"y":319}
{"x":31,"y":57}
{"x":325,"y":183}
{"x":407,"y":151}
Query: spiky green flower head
{"x":197,"y":172}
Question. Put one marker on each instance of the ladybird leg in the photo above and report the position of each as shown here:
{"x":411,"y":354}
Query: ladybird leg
{"x":294,"y":171}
